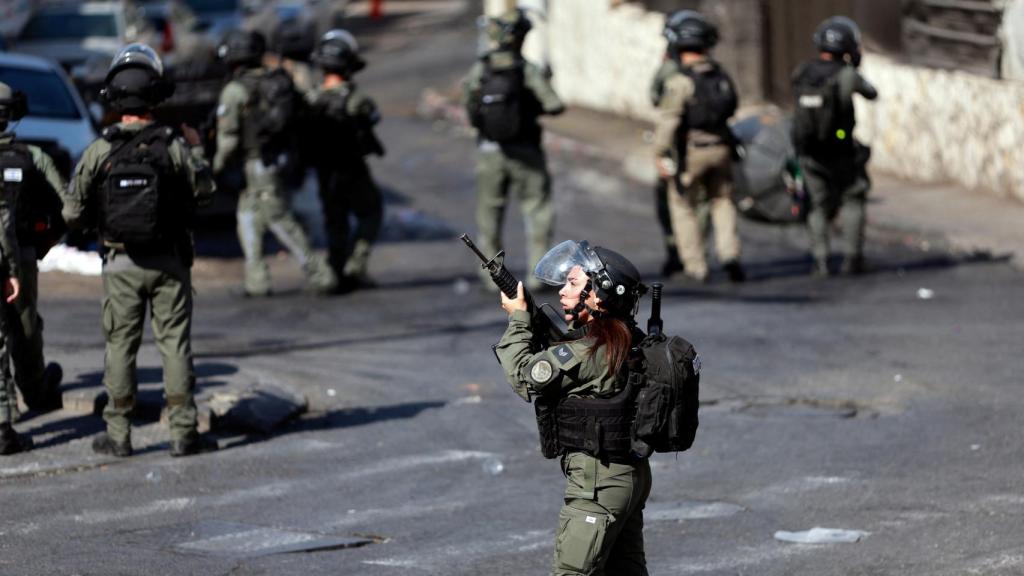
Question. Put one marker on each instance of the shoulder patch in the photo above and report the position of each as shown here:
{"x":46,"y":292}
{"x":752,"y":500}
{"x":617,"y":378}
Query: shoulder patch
{"x":542,"y":372}
{"x":222,"y":110}
{"x":563,"y":354}
{"x":696,"y":364}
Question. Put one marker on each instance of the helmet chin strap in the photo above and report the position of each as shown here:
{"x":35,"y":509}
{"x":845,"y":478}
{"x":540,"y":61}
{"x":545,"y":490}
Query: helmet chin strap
{"x":582,"y":304}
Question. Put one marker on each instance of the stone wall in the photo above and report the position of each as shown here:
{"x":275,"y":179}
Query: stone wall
{"x":935,"y":126}
{"x":604,"y":54}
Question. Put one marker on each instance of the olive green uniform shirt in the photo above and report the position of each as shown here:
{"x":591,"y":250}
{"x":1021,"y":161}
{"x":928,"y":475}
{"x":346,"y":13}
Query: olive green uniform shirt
{"x":568,"y":367}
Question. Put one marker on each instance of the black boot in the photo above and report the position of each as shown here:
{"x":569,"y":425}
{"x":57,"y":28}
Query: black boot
{"x":192,"y":445}
{"x":672,"y":265}
{"x":11,"y":442}
{"x":50,"y":398}
{"x":852,"y":266}
{"x":735,"y":271}
{"x":102,"y":443}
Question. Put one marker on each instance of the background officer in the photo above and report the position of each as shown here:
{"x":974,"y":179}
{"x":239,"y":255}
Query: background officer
{"x":256,"y":116}
{"x":39,"y":225}
{"x":12,"y":107}
{"x":504,"y":96}
{"x":694,"y":147}
{"x":140,"y":185}
{"x":834,"y":164}
{"x":607,"y":485}
{"x":341,"y":136}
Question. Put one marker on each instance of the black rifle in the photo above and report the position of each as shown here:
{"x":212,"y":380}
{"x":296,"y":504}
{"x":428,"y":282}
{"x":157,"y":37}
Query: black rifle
{"x":655,"y":326}
{"x":548,"y":325}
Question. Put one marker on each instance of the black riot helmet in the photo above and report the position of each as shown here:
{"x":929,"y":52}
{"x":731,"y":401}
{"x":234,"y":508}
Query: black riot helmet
{"x":135,"y":80}
{"x":338,"y":52}
{"x":293,"y":38}
{"x":613,"y":278}
{"x":242,"y":48}
{"x":840,"y":36}
{"x":688,"y":31}
{"x":13,"y":105}
{"x":508,"y":30}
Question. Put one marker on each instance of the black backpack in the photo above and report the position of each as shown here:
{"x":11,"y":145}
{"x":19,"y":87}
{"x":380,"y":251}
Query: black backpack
{"x":816,"y":117}
{"x":142,"y":200}
{"x":667,"y":402}
{"x":714,"y":100}
{"x":269,"y":116}
{"x":497,"y":107}
{"x":38,"y":219}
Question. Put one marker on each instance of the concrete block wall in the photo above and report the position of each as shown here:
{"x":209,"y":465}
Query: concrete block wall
{"x":945,"y":126}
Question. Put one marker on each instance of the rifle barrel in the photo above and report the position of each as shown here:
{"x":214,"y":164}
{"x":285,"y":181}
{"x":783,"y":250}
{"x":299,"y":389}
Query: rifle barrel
{"x":472,"y":246}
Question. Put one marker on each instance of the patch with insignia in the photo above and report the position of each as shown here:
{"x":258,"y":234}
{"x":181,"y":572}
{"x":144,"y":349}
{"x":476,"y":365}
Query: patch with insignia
{"x":564,"y":354}
{"x":12,"y":175}
{"x":696,"y":364}
{"x":222,"y":110}
{"x":541,"y":372}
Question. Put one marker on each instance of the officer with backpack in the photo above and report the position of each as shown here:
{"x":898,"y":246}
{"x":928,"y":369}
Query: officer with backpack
{"x":669,"y":67}
{"x":256,"y":118}
{"x":586,"y":390}
{"x":833,"y":162}
{"x":694,"y":147}
{"x":340,"y":138}
{"x":32,"y":180}
{"x":140,"y":185}
{"x":504,"y":96}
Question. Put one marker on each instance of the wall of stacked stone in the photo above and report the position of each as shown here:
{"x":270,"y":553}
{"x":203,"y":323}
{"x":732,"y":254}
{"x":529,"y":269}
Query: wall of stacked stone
{"x":945,"y":126}
{"x":604,"y":55}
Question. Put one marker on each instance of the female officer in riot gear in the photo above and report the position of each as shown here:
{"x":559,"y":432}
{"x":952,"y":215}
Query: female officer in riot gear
{"x":601,"y":521}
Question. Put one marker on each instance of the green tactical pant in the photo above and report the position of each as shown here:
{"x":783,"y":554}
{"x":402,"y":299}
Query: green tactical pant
{"x":344,"y":193}
{"x":840,"y":184}
{"x":26,"y":333}
{"x":8,"y":395}
{"x":262,"y":206}
{"x":707,"y":195}
{"x":523,"y":174}
{"x":600,"y":526}
{"x":131,"y":283}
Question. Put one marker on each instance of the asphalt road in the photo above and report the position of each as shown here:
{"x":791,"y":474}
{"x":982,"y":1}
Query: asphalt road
{"x":846,"y":403}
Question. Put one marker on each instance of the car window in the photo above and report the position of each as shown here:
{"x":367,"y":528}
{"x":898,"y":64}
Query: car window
{"x":48,"y":95}
{"x":203,"y":6}
{"x":53,"y":25}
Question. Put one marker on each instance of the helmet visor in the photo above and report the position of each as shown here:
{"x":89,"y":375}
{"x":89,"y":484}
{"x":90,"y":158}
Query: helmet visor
{"x":137,"y":55}
{"x":339,"y":36}
{"x":555,"y":266}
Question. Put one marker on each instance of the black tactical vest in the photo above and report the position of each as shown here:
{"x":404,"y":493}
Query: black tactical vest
{"x":822,"y":125}
{"x":714,"y":99}
{"x":38,"y":220}
{"x":269,"y":114}
{"x":143,"y":201}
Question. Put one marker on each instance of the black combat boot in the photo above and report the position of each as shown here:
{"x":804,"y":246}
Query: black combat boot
{"x":11,"y":442}
{"x":102,"y":443}
{"x":192,"y":445}
{"x":50,"y":398}
{"x":852,"y":266}
{"x":735,"y":271}
{"x":672,"y":265}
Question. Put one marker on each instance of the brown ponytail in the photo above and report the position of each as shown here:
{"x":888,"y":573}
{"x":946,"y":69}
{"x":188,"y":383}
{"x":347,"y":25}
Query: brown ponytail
{"x":615,"y":336}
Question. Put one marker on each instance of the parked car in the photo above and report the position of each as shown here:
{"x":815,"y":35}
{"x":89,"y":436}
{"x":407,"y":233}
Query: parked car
{"x":83,"y":37}
{"x":58,"y":120}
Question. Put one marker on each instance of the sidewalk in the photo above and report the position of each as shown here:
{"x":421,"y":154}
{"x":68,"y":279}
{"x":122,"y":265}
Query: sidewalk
{"x":969,"y":221}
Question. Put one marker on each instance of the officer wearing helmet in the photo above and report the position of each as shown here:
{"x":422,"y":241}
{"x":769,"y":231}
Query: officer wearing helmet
{"x":139,"y":186}
{"x":695,"y":147}
{"x":257,"y":115}
{"x":32,"y":183}
{"x":834,"y":163}
{"x":504,"y":96}
{"x":341,"y":136}
{"x":607,"y":484}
